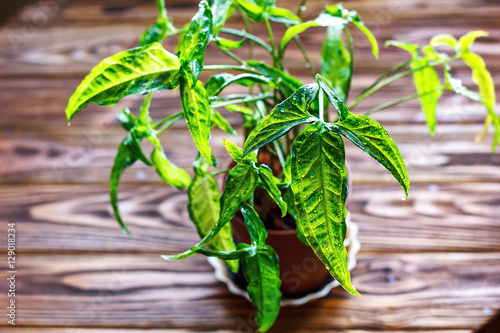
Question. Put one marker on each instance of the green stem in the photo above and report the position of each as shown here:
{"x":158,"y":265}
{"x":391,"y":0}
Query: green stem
{"x":321,"y":106}
{"x":389,"y":73}
{"x":303,"y":50}
{"x":232,"y":67}
{"x":248,"y":36}
{"x":233,"y":56}
{"x":279,"y":153}
{"x":251,"y":98}
{"x":220,"y":171}
{"x":271,"y":40}
{"x":395,"y":102}
{"x":299,"y":10}
{"x":351,"y":63}
{"x":367,"y":92}
{"x":169,"y":121}
{"x":162,"y":11}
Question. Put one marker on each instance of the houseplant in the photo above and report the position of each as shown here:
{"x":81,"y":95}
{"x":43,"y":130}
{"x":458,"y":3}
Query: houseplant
{"x":289,"y":123}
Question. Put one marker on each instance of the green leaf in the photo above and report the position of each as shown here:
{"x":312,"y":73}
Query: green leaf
{"x":361,"y":26}
{"x":371,"y":137}
{"x":137,"y":71}
{"x":335,"y":100}
{"x":167,"y":171}
{"x":129,"y":151}
{"x":217,"y":82}
{"x":410,"y":47}
{"x":482,"y":78}
{"x":220,"y":10}
{"x":222,"y":123}
{"x":261,"y":271}
{"x":233,"y":150}
{"x":267,"y":179}
{"x":286,"y":115}
{"x":443,"y":39}
{"x":255,"y":10}
{"x":161,"y":29}
{"x":204,"y":210}
{"x":196,"y":39}
{"x":283,"y":80}
{"x":457,"y":86}
{"x":126,"y":119}
{"x":323,"y":20}
{"x":319,"y":184}
{"x":429,"y":88}
{"x":228,"y":44}
{"x":255,"y":226}
{"x":466,"y":40}
{"x":236,"y":254}
{"x":240,"y":109}
{"x":197,"y":111}
{"x":283,"y":15}
{"x":336,"y":62}
{"x":240,"y":185}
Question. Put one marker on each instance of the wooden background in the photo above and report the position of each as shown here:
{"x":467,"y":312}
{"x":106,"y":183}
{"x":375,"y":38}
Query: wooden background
{"x":431,"y":263}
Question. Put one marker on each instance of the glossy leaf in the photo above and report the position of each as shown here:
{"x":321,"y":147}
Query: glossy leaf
{"x":197,"y":111}
{"x":204,"y":210}
{"x":372,"y":138}
{"x":283,"y":80}
{"x":196,"y":39}
{"x":261,"y":271}
{"x":137,"y":71}
{"x":216,"y":83}
{"x":220,"y":10}
{"x":336,"y":62}
{"x":233,"y":150}
{"x":126,"y":119}
{"x":255,"y":9}
{"x":333,"y":98}
{"x":286,"y":115}
{"x":222,"y":123}
{"x":283,"y":15}
{"x":228,"y":44}
{"x":167,"y":171}
{"x":323,"y":20}
{"x":255,"y":226}
{"x":319,"y":184}
{"x":267,"y":180}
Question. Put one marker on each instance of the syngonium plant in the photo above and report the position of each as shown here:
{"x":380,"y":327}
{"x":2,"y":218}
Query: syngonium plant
{"x":284,"y":120}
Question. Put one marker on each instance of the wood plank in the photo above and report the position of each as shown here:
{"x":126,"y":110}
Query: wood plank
{"x":167,"y":330}
{"x":412,"y":291}
{"x":52,"y":218}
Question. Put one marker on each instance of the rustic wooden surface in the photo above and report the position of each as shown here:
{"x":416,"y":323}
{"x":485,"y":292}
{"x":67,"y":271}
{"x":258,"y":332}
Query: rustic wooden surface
{"x":431,"y":263}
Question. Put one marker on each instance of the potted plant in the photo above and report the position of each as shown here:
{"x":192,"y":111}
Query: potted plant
{"x":293,"y":159}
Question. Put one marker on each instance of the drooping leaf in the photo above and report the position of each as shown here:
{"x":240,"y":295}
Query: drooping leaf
{"x":220,"y":10}
{"x":319,"y":184}
{"x":443,"y":39}
{"x":429,"y":88}
{"x":255,"y":226}
{"x":168,"y":171}
{"x":362,"y":27}
{"x":196,"y":39}
{"x":129,"y":151}
{"x":284,"y":116}
{"x":222,"y":123}
{"x":371,"y":137}
{"x":261,"y":271}
{"x":466,"y":40}
{"x":267,"y":180}
{"x":323,"y":20}
{"x":240,"y":185}
{"x":482,"y":78}
{"x":137,"y":71}
{"x":161,"y":29}
{"x":457,"y":86}
{"x":204,"y":210}
{"x":336,"y":62}
{"x":410,"y":47}
{"x":197,"y":111}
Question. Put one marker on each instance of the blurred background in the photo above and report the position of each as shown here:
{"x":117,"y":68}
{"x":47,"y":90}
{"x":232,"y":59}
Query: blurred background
{"x":430,"y":263}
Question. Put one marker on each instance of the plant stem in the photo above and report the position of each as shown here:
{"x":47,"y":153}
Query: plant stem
{"x":233,"y":56}
{"x":251,"y":98}
{"x":389,"y":73}
{"x":301,"y":5}
{"x":215,"y":173}
{"x":369,"y":91}
{"x":162,"y":11}
{"x":169,"y":121}
{"x":248,"y":36}
{"x":232,"y":67}
{"x":279,"y":152}
{"x":395,"y":102}
{"x":351,"y":64}
{"x":321,"y":106}
{"x":271,"y":40}
{"x":303,"y":50}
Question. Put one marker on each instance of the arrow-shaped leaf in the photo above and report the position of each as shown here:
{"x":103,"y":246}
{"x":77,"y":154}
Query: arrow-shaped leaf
{"x":319,"y":184}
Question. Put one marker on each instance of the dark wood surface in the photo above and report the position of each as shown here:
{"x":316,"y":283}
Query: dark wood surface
{"x":430,"y":263}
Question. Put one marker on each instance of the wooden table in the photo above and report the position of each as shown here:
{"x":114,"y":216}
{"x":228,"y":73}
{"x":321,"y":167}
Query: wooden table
{"x":431,"y":263}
